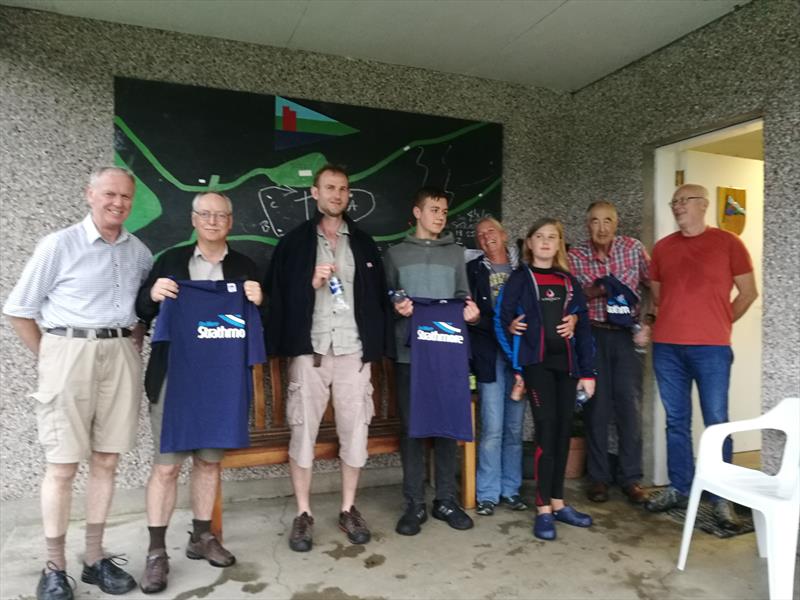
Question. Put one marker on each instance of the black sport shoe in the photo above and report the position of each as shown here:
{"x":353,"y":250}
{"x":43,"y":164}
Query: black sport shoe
{"x":666,"y":499}
{"x":54,"y":584}
{"x":412,"y":519}
{"x":107,"y":575}
{"x":485,"y":508}
{"x":514,"y":502}
{"x":300,"y":539}
{"x":354,"y":525}
{"x":452,"y":514}
{"x":725,"y":515}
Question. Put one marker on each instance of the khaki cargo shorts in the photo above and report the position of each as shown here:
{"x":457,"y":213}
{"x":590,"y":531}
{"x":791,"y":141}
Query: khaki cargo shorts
{"x":345,"y":378}
{"x":211,"y":455}
{"x":88,"y":396}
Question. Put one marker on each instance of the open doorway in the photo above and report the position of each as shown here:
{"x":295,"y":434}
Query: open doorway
{"x":730,"y":164}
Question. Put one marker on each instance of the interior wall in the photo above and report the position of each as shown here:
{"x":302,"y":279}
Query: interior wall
{"x":56,"y":114}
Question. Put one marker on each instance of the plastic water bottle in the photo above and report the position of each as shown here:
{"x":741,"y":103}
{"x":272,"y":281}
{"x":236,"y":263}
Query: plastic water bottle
{"x":581,"y":397}
{"x":637,"y":327}
{"x":518,"y":390}
{"x":398,"y":296}
{"x":335,"y":285}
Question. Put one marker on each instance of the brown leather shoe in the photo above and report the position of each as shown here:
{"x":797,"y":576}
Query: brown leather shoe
{"x":597,"y":492}
{"x":209,"y":548}
{"x":156,"y":568}
{"x":635,"y":494}
{"x":354,"y":525}
{"x":300,"y":538}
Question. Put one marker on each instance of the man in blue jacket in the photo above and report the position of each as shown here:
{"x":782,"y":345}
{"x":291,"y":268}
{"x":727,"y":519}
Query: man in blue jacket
{"x":328,"y":310}
{"x":499,"y":473}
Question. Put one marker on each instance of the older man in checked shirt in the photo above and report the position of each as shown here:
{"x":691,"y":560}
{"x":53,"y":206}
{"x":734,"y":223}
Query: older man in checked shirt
{"x":619,"y":367}
{"x":79,"y":286}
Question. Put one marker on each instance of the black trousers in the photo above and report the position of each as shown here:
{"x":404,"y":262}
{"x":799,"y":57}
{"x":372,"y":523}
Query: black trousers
{"x":412,"y":451}
{"x":618,"y":396}
{"x":551,"y":393}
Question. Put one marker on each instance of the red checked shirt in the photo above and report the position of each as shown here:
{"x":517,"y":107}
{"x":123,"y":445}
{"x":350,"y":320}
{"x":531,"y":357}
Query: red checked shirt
{"x":627,"y":260}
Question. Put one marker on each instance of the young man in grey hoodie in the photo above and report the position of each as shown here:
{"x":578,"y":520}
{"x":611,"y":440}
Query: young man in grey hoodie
{"x":426,"y":265}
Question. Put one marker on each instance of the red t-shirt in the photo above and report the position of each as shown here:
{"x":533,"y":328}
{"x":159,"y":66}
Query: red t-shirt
{"x":696,"y":276}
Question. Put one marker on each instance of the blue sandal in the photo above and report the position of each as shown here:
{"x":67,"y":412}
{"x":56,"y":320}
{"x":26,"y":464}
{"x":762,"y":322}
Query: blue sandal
{"x":570,"y":516}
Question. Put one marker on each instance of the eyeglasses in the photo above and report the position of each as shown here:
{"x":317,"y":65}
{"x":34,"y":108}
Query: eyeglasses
{"x":683,"y":201}
{"x":205,"y":215}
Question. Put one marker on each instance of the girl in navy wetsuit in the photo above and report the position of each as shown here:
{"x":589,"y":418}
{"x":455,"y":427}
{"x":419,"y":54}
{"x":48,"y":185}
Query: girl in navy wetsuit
{"x":532,"y":305}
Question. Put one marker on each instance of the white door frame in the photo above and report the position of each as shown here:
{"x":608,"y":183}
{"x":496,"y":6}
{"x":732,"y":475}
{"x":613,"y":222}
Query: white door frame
{"x":666,"y":161}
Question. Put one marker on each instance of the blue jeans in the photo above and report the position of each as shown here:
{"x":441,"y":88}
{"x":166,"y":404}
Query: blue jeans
{"x":676,"y":366}
{"x":500,"y":444}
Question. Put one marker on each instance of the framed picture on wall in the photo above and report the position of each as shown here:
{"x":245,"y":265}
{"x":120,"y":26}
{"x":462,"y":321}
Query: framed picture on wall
{"x":731,"y":209}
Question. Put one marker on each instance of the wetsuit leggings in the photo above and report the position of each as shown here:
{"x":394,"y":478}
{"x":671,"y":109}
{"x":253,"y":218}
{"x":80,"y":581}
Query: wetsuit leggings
{"x":551,"y":393}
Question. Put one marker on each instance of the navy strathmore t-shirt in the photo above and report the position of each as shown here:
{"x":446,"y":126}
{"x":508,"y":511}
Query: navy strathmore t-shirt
{"x":440,"y":396}
{"x":215,"y":336}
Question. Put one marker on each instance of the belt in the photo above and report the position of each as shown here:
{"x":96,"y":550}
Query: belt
{"x":101,"y":333}
{"x":604,"y":325}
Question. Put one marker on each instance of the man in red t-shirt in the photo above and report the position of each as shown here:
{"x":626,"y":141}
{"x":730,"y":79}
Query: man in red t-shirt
{"x":692,"y":273}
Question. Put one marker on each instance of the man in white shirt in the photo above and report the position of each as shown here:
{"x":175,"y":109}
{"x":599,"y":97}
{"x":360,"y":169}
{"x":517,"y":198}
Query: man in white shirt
{"x":79,"y":286}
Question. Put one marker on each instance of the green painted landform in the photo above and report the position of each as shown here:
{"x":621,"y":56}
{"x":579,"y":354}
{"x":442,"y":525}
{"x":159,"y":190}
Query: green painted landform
{"x":287,"y":173}
{"x":147,"y":207}
{"x":415,"y":144}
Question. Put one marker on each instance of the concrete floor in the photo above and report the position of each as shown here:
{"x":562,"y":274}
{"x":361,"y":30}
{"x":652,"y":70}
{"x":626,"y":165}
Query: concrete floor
{"x":628,"y":553}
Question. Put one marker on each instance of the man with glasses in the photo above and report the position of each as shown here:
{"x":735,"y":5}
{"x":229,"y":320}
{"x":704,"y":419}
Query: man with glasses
{"x":80,"y":286}
{"x":210,"y":259}
{"x":597,"y":262}
{"x":692,"y":274}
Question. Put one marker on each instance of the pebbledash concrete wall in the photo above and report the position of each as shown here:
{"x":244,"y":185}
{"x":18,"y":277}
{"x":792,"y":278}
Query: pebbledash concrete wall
{"x":560,"y":152}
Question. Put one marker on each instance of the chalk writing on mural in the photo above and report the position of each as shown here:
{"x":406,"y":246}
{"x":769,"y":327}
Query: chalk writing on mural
{"x":463,"y":226}
{"x":285,"y":206}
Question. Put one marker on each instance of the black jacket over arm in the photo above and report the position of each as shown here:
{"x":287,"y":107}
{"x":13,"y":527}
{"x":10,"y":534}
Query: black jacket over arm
{"x":290,"y":296}
{"x":175,"y":263}
{"x":482,"y":340}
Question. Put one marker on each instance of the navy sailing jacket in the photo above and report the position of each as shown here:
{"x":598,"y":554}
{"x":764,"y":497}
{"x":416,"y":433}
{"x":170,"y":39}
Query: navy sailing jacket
{"x":481,"y":334}
{"x":521,"y":295}
{"x":290,"y":297}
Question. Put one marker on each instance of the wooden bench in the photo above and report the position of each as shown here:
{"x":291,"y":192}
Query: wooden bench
{"x":269,"y":432}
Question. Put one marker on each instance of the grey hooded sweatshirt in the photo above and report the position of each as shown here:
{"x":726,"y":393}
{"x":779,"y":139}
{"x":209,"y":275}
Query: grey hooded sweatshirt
{"x":424,"y":269}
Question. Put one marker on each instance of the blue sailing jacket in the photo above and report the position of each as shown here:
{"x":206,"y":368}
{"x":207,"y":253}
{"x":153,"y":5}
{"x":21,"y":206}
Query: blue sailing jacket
{"x":520,"y":295}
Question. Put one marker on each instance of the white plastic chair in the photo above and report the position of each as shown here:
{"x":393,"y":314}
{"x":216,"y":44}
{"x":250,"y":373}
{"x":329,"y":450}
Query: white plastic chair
{"x":775,"y":500}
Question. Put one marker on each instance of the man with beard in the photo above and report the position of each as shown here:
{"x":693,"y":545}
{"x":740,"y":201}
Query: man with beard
{"x":328,"y":311}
